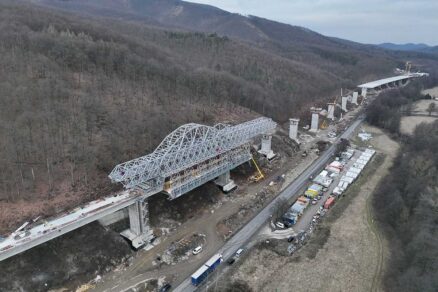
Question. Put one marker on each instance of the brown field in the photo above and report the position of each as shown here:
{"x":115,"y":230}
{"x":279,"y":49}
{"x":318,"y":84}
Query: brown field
{"x":351,"y":259}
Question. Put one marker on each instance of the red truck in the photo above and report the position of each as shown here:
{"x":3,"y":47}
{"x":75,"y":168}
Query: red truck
{"x":329,"y":203}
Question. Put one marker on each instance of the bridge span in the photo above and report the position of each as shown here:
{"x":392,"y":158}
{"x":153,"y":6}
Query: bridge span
{"x":388,"y":83}
{"x":188,"y":157}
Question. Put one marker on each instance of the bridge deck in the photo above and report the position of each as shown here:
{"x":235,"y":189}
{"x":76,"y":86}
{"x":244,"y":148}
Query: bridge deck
{"x":377,"y":83}
{"x":18,"y":242}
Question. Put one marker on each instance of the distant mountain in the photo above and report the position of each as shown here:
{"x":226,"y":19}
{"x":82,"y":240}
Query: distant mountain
{"x":405,"y":47}
{"x":195,"y":17}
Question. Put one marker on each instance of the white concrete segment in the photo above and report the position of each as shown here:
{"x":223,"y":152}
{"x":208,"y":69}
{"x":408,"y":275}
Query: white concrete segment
{"x":17,"y":243}
{"x":377,"y":83}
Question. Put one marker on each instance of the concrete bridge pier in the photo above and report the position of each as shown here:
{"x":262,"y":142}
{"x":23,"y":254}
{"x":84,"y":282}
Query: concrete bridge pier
{"x":314,"y":125}
{"x":266,"y":148}
{"x":364,"y":92}
{"x":293,"y":129}
{"x":225,"y":182}
{"x":139,"y":232}
{"x":344,"y":100}
{"x":354,"y":98}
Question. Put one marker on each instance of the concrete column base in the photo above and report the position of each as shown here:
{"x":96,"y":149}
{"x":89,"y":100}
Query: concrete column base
{"x":225,"y":182}
{"x":139,"y":232}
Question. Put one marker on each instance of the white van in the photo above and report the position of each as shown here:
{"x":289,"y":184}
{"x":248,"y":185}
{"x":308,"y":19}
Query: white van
{"x":279,"y":225}
{"x":197,"y":250}
{"x":239,"y":252}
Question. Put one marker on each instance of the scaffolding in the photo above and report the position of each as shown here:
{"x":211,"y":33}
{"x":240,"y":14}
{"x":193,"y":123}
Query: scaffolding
{"x":190,"y":156}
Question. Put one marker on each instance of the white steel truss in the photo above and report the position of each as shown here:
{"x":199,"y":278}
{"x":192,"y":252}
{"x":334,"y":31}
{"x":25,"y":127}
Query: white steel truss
{"x":184,"y":148}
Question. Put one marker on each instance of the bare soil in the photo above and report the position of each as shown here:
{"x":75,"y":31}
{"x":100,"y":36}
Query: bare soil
{"x":347,"y":257}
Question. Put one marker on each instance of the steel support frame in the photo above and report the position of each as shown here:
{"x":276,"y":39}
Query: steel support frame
{"x":192,"y":178}
{"x":187,"y":146}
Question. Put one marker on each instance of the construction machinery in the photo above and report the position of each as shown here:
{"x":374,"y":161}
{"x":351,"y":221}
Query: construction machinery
{"x":258,"y":175}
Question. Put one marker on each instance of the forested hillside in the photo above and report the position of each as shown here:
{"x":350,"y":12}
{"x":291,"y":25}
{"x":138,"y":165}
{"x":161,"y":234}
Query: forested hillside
{"x":79,"y":95}
{"x":407,"y":208}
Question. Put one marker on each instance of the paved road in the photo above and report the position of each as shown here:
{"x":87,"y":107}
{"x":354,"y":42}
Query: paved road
{"x":244,"y":235}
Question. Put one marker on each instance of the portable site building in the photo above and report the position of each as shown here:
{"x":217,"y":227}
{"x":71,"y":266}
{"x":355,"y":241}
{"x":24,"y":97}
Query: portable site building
{"x":338,"y":191}
{"x":370,"y":151}
{"x":353,"y":175}
{"x":347,"y":179}
{"x":343,"y":185}
{"x":355,"y":170}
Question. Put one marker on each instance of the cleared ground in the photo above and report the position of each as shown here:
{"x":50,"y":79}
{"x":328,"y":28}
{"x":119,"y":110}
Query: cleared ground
{"x":408,"y":124}
{"x":349,"y":256}
{"x":432,"y":91}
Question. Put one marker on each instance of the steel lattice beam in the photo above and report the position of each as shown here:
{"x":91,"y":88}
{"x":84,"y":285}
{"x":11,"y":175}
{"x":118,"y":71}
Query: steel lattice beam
{"x":185,"y":147}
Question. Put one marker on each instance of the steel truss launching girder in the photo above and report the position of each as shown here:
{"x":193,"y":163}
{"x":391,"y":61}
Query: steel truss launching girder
{"x":186,"y":147}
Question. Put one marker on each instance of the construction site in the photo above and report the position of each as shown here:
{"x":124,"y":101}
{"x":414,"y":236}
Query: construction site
{"x":206,"y":192}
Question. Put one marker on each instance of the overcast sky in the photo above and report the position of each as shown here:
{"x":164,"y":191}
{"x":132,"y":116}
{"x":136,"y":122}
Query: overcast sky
{"x":365,"y":21}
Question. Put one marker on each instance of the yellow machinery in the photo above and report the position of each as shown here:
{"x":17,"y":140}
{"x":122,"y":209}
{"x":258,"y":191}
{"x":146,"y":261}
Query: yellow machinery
{"x":324,"y":125}
{"x":257,"y":176}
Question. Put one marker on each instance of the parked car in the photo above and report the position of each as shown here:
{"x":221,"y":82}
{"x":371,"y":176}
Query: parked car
{"x":239,"y":252}
{"x":290,"y":239}
{"x":165,"y":288}
{"x":314,"y":201}
{"x":197,"y":250}
{"x":280,"y":225}
{"x":231,"y":261}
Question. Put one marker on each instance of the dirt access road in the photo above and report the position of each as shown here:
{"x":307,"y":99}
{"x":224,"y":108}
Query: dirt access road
{"x":352,"y":258}
{"x":141,"y":270}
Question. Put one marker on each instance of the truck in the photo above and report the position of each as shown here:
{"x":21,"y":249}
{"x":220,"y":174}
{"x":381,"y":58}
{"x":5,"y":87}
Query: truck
{"x":329,"y":203}
{"x":296,"y":210}
{"x":207,"y":268}
{"x":313,"y":191}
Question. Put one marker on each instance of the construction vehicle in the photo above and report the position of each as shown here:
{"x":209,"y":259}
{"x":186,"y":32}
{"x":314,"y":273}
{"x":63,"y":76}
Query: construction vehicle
{"x":258,"y":175}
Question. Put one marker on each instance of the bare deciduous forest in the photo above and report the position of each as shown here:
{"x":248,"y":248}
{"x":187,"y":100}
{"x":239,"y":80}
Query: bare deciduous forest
{"x":406,"y":206}
{"x":79,"y":95}
{"x":406,"y":203}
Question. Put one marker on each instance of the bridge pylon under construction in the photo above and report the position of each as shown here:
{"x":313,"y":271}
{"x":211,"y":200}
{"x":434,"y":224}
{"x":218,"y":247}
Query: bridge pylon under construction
{"x":188,"y":157}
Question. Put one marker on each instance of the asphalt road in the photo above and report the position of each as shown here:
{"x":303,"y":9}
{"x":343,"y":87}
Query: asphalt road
{"x":245,"y":234}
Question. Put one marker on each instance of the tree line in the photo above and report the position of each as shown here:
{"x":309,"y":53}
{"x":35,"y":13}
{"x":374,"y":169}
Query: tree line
{"x":406,"y":202}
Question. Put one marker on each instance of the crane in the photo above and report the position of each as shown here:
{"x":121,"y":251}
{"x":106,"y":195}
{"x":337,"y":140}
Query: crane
{"x":258,"y":175}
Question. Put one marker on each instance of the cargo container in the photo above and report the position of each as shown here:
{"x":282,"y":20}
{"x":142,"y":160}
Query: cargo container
{"x":290,"y":218}
{"x":329,"y":203}
{"x":323,"y":181}
{"x":296,"y":210}
{"x":206,"y":269}
{"x":313,"y":191}
{"x":336,"y":164}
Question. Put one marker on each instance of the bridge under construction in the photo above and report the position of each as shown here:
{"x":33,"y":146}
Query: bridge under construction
{"x":188,"y":157}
